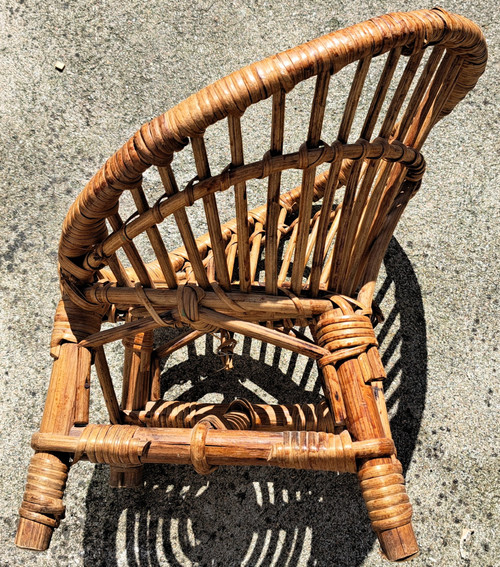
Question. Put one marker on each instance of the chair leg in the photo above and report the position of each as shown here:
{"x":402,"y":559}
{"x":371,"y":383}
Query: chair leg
{"x":125,"y":477}
{"x":42,"y":507}
{"x":381,"y":480}
{"x":137,"y":382}
{"x":137,"y":371}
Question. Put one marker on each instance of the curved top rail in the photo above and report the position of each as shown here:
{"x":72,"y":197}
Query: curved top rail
{"x":156,"y":141}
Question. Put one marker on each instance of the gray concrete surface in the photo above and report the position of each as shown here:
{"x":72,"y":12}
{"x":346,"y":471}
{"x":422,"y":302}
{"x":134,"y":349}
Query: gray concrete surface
{"x":129,"y":61}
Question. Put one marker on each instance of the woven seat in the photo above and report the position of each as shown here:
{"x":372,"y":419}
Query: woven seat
{"x":306,"y":257}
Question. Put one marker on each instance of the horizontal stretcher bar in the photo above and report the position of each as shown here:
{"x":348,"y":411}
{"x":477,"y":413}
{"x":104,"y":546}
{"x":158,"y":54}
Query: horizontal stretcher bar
{"x":123,"y":445}
{"x":262,"y":417}
{"x":259,"y":304}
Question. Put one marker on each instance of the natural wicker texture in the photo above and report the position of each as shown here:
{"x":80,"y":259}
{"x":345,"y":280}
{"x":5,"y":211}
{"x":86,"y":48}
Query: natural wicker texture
{"x":320,"y":264}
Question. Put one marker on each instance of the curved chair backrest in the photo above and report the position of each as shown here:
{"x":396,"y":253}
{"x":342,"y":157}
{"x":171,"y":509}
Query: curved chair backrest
{"x":342,"y":246}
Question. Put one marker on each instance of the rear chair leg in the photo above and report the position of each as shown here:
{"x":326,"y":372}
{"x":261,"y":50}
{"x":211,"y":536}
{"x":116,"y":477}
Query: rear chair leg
{"x":137,"y":384}
{"x":42,"y":507}
{"x":125,"y":477}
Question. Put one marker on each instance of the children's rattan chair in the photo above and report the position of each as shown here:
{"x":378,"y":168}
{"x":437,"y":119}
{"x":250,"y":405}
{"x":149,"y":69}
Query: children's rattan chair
{"x":284,"y":265}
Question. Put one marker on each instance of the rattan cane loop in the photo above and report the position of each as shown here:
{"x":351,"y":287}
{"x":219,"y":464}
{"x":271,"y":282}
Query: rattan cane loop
{"x":303,"y":156}
{"x":125,"y":237}
{"x":52,"y":476}
{"x":233,"y":305}
{"x":385,"y":496}
{"x":198,"y":447}
{"x":365,"y":146}
{"x":143,"y":298}
{"x":384,"y":145}
{"x":189,"y":190}
{"x":267,"y":165}
{"x":156,"y":209}
{"x":225,"y":178}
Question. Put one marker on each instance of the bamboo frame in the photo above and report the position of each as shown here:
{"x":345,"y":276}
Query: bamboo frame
{"x":210,"y":284}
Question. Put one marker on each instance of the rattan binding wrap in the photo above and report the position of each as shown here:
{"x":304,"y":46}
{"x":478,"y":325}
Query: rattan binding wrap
{"x":320,"y":256}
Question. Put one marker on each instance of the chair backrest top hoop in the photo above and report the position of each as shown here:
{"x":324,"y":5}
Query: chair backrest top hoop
{"x":81,"y":250}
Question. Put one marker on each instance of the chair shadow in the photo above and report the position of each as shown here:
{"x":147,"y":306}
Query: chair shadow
{"x":259,"y":516}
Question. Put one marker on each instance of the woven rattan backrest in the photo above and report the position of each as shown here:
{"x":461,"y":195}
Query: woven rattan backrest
{"x":440,"y":55}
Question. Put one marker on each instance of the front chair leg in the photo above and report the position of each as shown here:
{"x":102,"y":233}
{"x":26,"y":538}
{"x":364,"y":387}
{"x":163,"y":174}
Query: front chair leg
{"x":42,"y":507}
{"x":344,"y":332}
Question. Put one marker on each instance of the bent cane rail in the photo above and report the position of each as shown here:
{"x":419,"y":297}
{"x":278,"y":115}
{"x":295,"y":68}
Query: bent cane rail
{"x":320,"y":263}
{"x":379,"y":149}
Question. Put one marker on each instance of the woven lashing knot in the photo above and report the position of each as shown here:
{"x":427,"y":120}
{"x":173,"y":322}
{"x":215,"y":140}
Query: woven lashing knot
{"x":344,"y":336}
{"x":385,"y":496}
{"x":314,"y":450}
{"x":188,"y":299}
{"x":350,"y":335}
{"x":42,"y":501}
{"x":111,"y":444}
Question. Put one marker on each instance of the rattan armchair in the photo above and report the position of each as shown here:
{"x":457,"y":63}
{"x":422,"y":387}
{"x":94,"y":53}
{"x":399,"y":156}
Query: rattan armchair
{"x":319,"y":247}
